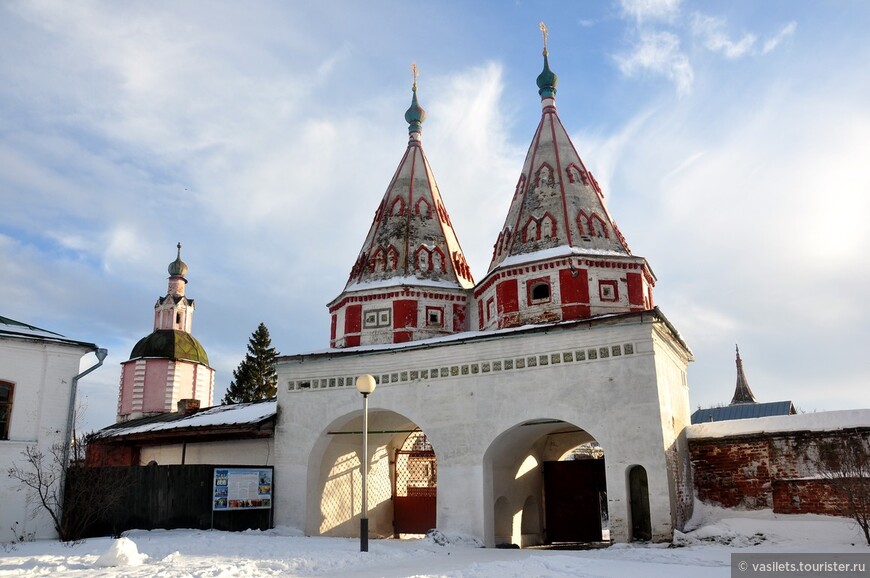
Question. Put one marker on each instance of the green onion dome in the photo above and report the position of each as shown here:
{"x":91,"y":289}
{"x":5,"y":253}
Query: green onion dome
{"x":547,"y":80}
{"x":170,"y":344}
{"x":415,"y":115}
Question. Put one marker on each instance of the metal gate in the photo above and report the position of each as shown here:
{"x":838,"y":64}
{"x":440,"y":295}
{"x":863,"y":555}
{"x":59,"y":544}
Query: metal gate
{"x":415,"y":486}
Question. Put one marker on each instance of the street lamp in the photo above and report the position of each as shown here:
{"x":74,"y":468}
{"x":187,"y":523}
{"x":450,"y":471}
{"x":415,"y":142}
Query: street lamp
{"x":365,"y":384}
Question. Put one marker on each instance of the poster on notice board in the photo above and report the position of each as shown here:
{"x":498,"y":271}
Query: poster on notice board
{"x":242,"y":489}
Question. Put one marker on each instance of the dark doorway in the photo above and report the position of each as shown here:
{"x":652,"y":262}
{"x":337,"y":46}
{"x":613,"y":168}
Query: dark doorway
{"x":415,"y":488}
{"x":638,"y":489}
{"x":573,"y":492}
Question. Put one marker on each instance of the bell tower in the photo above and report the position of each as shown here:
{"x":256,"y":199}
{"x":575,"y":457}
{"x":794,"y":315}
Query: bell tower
{"x":169,"y":364}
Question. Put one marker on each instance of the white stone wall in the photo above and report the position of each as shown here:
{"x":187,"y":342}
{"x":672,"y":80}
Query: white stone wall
{"x":259,"y":452}
{"x":676,"y":418}
{"x":42,"y":373}
{"x":472,"y":413}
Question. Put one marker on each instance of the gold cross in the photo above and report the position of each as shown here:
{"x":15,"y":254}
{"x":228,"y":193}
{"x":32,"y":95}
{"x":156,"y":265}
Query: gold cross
{"x":416,"y":73}
{"x":544,"y":33}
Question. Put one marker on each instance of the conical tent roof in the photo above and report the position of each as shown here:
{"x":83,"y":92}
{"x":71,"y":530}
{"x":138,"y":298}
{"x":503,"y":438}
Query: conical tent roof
{"x":557,"y":203}
{"x":742,"y":393}
{"x":411,"y":240}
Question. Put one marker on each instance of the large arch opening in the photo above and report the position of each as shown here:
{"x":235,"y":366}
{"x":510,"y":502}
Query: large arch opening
{"x":545,"y":484}
{"x":401,"y":482}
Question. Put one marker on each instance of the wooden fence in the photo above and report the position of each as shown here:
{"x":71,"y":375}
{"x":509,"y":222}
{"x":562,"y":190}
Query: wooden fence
{"x":150,"y":497}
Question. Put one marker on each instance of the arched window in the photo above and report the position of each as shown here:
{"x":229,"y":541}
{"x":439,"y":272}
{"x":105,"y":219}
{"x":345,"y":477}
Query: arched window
{"x":548,"y":226}
{"x":544,"y":176}
{"x":538,"y":291}
{"x":423,"y":262}
{"x":392,"y":258}
{"x":378,"y":261}
{"x":530,"y":232}
{"x":496,"y":250}
{"x":541,"y":291}
{"x":597,"y":227}
{"x":520,"y":185}
{"x":583,"y":224}
{"x":438,"y":261}
{"x":398,"y":207}
{"x":6,"y":391}
{"x":423,"y":208}
{"x":576,"y":174}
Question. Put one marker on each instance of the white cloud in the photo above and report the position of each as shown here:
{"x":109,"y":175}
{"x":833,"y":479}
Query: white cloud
{"x":264,"y":139}
{"x":659,"y":53}
{"x":467,"y":140}
{"x":603,"y":153}
{"x":752,"y":219}
{"x":771,"y":43}
{"x":651,"y":10}
{"x":712,"y":32}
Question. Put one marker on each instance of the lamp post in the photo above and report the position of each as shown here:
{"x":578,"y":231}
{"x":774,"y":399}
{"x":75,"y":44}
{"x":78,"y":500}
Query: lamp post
{"x":365,"y":384}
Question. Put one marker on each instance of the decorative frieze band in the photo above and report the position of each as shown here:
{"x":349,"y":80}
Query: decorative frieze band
{"x":585,"y":355}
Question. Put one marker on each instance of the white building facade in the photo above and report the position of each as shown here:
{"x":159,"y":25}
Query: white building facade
{"x":38,"y":370}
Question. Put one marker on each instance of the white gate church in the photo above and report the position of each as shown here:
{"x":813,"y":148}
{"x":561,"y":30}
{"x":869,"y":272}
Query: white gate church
{"x":545,"y":403}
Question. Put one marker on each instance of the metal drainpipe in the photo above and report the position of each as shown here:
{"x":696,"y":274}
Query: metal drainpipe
{"x":101,"y":354}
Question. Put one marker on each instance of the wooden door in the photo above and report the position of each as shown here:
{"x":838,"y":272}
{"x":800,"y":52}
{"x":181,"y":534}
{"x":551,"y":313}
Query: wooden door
{"x":572,"y":496}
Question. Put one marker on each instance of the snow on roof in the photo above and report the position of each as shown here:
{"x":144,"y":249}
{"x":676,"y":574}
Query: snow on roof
{"x":17,"y":329}
{"x":400,"y":281}
{"x":220,"y":415}
{"x":820,"y":421}
{"x":554,"y":252}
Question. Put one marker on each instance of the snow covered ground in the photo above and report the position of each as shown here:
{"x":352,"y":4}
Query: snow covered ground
{"x":703,"y":551}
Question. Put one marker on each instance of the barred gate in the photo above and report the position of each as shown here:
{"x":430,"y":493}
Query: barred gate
{"x":415,"y":486}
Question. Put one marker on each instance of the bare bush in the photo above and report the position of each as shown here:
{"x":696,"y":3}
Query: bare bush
{"x":75,"y":498}
{"x":845,"y":461}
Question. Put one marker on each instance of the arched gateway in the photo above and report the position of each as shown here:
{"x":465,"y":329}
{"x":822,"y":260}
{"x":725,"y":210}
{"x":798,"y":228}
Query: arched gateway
{"x":557,"y":352}
{"x":548,"y":485}
{"x":402,"y":477}
{"x":496,"y":408}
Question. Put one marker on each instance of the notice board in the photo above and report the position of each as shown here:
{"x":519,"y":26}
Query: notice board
{"x":242,"y":489}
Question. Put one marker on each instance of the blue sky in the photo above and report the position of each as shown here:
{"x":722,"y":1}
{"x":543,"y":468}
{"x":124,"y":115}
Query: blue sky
{"x":731,"y":141}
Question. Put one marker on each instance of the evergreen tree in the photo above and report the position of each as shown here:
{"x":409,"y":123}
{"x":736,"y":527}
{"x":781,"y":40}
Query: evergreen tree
{"x":256,"y":377}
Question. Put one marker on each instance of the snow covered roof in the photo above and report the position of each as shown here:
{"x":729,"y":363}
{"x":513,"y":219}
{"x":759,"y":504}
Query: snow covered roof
{"x":820,"y":421}
{"x":399,"y":282}
{"x":218,"y":417}
{"x":17,"y":329}
{"x":560,"y":251}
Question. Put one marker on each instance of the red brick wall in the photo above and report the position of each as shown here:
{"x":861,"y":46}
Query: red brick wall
{"x":808,"y":497}
{"x":732,"y":472}
{"x":767,"y":470}
{"x":107,"y":454}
